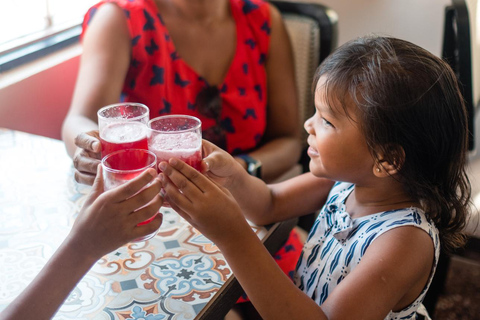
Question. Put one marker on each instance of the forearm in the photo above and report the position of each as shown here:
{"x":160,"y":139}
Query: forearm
{"x":244,"y":188}
{"x":73,"y":126}
{"x":42,"y":298}
{"x":270,"y":290}
{"x":277,"y":156}
{"x":292,"y":198}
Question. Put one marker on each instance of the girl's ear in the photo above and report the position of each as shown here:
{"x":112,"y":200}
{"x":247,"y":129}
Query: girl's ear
{"x":390,"y":161}
{"x":384,"y":169}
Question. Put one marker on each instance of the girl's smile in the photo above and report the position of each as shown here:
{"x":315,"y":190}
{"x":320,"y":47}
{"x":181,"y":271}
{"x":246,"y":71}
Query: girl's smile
{"x":312,"y":152}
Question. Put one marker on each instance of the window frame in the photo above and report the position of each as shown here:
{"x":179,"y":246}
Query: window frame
{"x":38,"y":45}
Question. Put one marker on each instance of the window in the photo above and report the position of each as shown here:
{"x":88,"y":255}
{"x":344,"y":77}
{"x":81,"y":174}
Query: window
{"x":37,"y":25}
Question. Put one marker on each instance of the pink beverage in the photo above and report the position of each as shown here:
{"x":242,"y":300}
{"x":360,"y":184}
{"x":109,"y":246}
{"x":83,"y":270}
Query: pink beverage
{"x":122,"y":166}
{"x":187,"y":146}
{"x":122,"y":136}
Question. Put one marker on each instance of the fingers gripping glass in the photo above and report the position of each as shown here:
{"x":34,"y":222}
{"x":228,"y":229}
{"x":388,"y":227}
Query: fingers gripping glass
{"x":209,"y":104}
{"x":124,"y":165}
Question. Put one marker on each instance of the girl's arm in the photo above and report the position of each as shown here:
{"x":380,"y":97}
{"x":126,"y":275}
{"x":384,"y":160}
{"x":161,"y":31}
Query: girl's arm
{"x":214,"y":211}
{"x":103,"y":67}
{"x":106,"y":222}
{"x":264,"y":204}
{"x":282,"y":147}
{"x":392,"y":273}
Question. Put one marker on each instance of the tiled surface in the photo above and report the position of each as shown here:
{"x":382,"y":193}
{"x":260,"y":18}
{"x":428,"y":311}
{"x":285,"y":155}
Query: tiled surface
{"x":171,"y":276}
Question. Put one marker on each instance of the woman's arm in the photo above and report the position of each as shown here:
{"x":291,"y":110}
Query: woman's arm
{"x":103,"y":67}
{"x":282,"y":148}
{"x":105,"y":222}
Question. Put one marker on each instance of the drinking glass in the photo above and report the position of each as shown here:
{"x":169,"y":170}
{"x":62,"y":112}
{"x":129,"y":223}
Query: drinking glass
{"x":124,"y":165}
{"x":123,"y":126}
{"x":177,"y":136}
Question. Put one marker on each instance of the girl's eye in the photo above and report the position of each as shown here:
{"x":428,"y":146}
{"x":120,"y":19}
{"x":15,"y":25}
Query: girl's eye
{"x":327,"y":123}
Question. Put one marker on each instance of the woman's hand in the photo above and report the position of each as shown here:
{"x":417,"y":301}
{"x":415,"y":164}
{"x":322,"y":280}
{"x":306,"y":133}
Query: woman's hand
{"x":110,"y":219}
{"x":87,"y":156}
{"x":106,"y":221}
{"x":205,"y":204}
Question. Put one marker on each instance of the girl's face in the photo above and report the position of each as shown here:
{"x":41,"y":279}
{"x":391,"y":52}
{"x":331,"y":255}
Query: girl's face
{"x":337,"y":147}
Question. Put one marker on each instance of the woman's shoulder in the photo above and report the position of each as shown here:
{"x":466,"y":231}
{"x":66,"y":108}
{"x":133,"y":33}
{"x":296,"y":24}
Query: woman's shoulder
{"x":130,"y":7}
{"x":129,"y":4}
{"x":138,"y":14}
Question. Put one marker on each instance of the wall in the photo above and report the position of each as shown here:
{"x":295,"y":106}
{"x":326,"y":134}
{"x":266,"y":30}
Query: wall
{"x":474,"y":16}
{"x":418,"y":21}
{"x":35,"y":97}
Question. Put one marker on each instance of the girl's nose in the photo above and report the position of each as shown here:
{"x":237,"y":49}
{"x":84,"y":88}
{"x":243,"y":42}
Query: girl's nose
{"x":308,"y":124}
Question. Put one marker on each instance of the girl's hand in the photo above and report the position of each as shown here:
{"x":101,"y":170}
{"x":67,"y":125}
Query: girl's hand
{"x":87,"y":156}
{"x":109,"y":219}
{"x":205,"y":204}
{"x":218,"y":165}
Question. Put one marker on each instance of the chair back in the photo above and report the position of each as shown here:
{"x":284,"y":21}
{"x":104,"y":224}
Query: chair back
{"x":457,"y":51}
{"x":313,"y":32}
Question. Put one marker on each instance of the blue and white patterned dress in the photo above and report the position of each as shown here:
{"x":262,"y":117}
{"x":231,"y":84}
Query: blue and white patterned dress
{"x":337,"y":243}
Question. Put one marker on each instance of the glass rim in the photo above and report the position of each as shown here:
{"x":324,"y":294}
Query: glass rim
{"x":128,"y":171}
{"x":197,"y":126}
{"x":136,"y":104}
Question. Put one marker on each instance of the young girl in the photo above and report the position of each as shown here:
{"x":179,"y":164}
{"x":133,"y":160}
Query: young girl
{"x":390,"y":129}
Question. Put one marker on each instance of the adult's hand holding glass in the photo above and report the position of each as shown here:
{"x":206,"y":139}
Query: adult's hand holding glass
{"x":109,"y":219}
{"x":121,"y":126}
{"x":87,"y":156}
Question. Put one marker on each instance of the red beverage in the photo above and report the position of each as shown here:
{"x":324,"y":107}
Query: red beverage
{"x":186,"y":146}
{"x":122,"y":136}
{"x":122,"y":166}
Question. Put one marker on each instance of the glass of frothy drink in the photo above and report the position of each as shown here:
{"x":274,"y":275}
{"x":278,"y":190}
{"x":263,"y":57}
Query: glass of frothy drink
{"x":124,"y":165}
{"x":176,"y":136}
{"x":123,"y":126}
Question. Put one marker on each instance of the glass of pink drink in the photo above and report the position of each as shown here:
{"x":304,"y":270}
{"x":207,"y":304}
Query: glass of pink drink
{"x":123,"y":126}
{"x":176,"y":136}
{"x":124,"y":165}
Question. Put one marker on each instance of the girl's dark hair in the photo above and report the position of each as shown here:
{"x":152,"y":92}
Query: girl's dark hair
{"x":411,"y":110}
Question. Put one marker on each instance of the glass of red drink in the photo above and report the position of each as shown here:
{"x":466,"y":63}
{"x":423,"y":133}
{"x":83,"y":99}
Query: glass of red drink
{"x":124,"y":165}
{"x":178,"y":136}
{"x":123,"y":126}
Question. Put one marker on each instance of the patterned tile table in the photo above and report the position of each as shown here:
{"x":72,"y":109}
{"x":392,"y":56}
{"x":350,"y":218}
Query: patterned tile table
{"x":172,"y":276}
